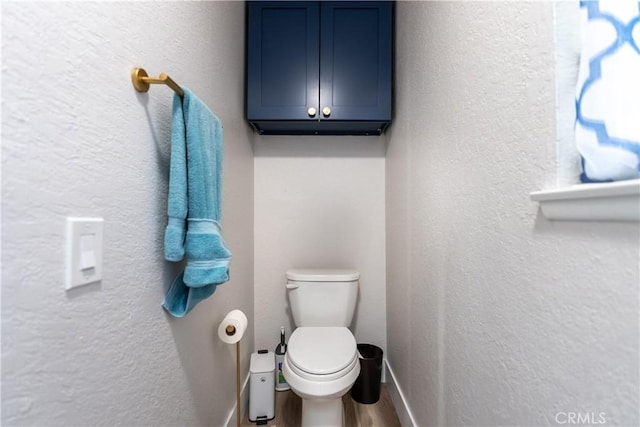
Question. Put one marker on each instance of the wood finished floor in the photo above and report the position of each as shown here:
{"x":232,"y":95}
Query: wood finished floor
{"x":289,"y":411}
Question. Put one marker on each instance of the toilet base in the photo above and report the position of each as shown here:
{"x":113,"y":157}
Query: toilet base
{"x":322,"y":413}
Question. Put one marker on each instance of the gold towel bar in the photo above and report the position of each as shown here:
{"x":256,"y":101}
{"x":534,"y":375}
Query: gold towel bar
{"x":141,"y":81}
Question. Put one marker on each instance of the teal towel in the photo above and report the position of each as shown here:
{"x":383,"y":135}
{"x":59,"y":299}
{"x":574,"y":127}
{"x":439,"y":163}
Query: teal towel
{"x":195,"y":186}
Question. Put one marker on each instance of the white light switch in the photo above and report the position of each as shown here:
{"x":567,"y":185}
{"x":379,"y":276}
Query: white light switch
{"x":84,"y":251}
{"x":87,"y":251}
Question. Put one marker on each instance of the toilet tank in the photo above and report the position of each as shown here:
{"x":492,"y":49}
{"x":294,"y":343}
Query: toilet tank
{"x":322,"y":297}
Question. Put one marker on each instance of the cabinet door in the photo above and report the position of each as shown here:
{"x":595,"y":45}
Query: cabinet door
{"x":356,"y":60}
{"x":282,"y":60}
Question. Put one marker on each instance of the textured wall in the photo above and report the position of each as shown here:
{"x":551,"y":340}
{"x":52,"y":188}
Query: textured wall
{"x":496,"y":316}
{"x":77,"y":140}
{"x":319,"y":202}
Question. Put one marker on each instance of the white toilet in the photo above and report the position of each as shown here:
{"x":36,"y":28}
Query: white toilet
{"x":322,"y":363}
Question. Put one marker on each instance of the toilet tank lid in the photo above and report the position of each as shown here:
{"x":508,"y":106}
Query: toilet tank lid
{"x":323,"y":275}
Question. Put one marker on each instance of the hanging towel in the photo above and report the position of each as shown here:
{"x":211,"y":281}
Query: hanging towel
{"x":195,"y":185}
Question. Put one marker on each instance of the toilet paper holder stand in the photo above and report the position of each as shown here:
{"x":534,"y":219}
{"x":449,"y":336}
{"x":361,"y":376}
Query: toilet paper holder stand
{"x":230,"y":331}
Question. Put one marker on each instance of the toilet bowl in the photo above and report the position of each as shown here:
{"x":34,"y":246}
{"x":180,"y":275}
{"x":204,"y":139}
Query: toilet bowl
{"x":321,"y":366}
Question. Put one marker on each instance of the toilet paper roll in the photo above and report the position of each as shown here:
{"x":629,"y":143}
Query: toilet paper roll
{"x":232,"y":327}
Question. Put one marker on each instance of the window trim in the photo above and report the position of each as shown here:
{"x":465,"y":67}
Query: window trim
{"x":611,"y":201}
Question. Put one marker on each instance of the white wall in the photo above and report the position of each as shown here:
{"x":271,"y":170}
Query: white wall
{"x":319,"y":202}
{"x":496,"y":317}
{"x":77,"y":140}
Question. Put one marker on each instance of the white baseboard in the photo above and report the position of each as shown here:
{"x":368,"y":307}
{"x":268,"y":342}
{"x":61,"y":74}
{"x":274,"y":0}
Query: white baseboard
{"x":244,"y":400}
{"x":397,"y":397}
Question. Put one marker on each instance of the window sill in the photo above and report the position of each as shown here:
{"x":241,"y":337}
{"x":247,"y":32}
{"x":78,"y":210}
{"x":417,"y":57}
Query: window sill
{"x":614,"y":201}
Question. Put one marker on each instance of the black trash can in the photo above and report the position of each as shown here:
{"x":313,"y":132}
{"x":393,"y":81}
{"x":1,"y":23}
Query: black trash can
{"x":367,"y":386}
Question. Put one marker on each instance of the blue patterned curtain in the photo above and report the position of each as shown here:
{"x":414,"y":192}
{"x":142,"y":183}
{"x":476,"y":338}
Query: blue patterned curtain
{"x":607,"y":129}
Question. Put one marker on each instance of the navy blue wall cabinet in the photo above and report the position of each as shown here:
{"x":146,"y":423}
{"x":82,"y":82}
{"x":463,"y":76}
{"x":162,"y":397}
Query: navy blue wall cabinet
{"x":319,"y":67}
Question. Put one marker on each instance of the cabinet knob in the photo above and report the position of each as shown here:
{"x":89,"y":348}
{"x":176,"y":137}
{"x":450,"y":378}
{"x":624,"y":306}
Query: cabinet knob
{"x":312,"y":111}
{"x":326,"y":111}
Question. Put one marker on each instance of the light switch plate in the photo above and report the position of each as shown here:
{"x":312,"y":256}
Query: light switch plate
{"x":84,"y":251}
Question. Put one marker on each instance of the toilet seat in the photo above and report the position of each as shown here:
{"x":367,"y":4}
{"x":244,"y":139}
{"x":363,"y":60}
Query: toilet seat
{"x":322,"y":353}
{"x":321,"y":365}
{"x":323,"y":377}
